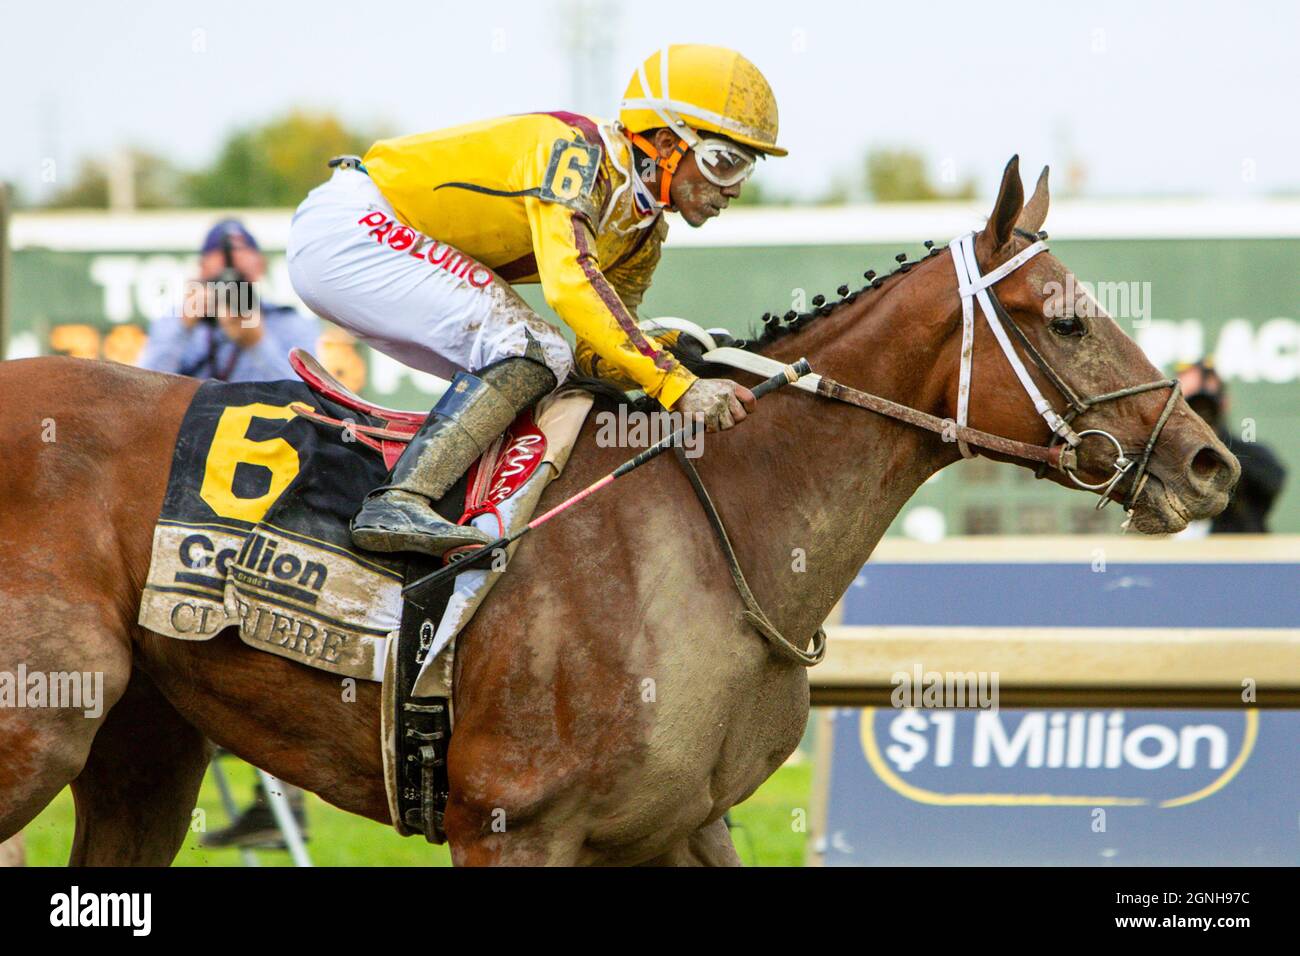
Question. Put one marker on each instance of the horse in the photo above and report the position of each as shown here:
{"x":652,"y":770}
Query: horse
{"x":612,"y":703}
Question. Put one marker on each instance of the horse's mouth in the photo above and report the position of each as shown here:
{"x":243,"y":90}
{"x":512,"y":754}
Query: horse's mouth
{"x":1161,"y":510}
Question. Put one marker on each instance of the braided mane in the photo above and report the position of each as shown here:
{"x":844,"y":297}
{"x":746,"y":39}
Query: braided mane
{"x":774,"y":327}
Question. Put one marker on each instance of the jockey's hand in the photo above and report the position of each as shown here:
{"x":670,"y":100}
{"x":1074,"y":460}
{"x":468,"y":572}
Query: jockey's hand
{"x":721,"y":402}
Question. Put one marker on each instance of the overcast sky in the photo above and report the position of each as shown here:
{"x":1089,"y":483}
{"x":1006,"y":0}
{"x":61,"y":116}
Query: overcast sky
{"x":1146,"y":98}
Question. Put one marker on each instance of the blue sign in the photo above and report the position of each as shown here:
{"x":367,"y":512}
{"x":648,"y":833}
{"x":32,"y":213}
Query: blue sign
{"x":1068,"y":786}
{"x":1074,"y":787}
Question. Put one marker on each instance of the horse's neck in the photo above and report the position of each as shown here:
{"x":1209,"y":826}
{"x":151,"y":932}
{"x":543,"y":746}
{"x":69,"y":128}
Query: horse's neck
{"x":807,"y":486}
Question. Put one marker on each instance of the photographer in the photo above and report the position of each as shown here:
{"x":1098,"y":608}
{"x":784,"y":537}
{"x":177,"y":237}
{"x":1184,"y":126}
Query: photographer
{"x":1262,"y":472}
{"x":223,"y":332}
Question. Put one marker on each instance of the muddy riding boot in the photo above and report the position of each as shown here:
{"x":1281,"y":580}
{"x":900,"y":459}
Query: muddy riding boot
{"x":470,"y":415}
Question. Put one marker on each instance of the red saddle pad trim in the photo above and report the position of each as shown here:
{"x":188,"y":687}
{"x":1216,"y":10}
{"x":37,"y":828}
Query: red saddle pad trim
{"x":512,"y":459}
{"x":503,"y":468}
{"x":319,"y":380}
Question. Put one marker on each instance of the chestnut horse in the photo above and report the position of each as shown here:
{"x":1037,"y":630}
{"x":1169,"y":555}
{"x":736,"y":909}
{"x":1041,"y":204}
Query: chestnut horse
{"x":611,"y":702}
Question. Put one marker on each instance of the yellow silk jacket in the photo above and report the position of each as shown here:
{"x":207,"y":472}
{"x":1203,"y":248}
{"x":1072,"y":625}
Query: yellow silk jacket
{"x":545,"y":197}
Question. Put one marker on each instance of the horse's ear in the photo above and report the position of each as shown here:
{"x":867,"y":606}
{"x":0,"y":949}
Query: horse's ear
{"x":1035,"y":213}
{"x":1011,"y":197}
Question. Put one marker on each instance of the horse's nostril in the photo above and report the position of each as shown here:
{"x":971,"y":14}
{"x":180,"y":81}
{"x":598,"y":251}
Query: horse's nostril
{"x":1206,"y":462}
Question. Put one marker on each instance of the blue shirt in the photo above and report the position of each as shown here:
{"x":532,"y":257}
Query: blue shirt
{"x":204,"y":351}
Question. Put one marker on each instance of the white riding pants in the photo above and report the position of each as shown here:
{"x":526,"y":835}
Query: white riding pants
{"x":419,"y":300}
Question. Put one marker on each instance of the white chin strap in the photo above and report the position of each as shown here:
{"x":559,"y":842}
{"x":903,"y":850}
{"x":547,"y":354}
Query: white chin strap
{"x":971,"y":286}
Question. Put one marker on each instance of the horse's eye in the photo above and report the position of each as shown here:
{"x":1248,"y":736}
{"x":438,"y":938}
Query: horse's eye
{"x":1069,"y":326}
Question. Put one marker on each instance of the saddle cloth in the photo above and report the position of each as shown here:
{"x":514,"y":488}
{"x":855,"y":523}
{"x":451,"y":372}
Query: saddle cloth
{"x":254,"y":534}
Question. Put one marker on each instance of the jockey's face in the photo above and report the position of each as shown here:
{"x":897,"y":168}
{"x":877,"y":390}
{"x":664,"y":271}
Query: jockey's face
{"x":697,"y":199}
{"x":692,"y":195}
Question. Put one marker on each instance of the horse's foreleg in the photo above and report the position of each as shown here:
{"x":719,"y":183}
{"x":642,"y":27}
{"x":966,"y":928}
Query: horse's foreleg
{"x":136,"y":793}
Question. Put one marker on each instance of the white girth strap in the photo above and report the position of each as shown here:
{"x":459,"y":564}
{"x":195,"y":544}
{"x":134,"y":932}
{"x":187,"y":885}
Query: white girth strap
{"x":971,"y":286}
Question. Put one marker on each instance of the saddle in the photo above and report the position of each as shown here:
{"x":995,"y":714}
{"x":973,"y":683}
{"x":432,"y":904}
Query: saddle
{"x":502,"y":470}
{"x":254,"y":535}
{"x":388,"y":439}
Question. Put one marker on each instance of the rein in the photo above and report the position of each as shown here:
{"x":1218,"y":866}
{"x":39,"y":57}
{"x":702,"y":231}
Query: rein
{"x":1055,"y":456}
{"x":754,"y":614}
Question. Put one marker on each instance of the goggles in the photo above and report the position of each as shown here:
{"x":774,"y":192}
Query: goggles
{"x":723,"y":163}
{"x":720,"y":161}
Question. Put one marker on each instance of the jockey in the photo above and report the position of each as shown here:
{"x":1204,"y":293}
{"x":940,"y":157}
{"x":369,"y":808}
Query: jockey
{"x":415,"y":248}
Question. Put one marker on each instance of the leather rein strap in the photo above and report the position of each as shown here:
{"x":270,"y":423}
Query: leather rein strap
{"x":779,"y":643}
{"x":1048,"y":454}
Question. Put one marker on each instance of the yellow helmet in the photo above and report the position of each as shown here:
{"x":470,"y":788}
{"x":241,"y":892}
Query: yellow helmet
{"x":693,"y":87}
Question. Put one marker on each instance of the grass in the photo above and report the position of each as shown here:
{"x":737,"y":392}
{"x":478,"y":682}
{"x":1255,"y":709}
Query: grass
{"x":770,"y":828}
{"x":762,"y":829}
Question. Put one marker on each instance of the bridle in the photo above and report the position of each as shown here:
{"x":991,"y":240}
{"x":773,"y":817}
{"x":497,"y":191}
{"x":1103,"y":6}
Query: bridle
{"x":972,"y":287}
{"x":1061,"y":451}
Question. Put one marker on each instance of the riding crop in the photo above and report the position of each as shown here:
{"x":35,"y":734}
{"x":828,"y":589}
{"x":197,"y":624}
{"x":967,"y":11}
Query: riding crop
{"x":788,"y":375}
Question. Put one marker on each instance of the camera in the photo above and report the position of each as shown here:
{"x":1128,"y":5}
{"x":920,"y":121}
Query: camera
{"x":231,"y":289}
